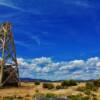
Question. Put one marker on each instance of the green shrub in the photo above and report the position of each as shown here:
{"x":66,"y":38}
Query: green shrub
{"x":87,"y":91}
{"x":37,"y":91}
{"x":91,"y":86}
{"x":73,"y":97}
{"x":78,"y":97}
{"x":37,"y":83}
{"x":20,"y":98}
{"x":27,"y":95}
{"x":72,"y":83}
{"x":59,"y":87}
{"x":88,"y":88}
{"x":48,"y":85}
{"x":65,"y":83}
{"x":95,"y":98}
{"x":50,"y":95}
{"x":81,"y":88}
{"x":86,"y":98}
{"x":69,"y":83}
{"x":97,"y":82}
{"x":8,"y":98}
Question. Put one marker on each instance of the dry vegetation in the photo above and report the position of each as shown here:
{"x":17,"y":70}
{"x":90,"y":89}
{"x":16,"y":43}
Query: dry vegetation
{"x":29,"y":89}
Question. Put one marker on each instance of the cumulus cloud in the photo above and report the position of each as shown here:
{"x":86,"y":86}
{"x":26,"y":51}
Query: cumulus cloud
{"x":98,"y":64}
{"x":42,"y":60}
{"x":47,"y":68}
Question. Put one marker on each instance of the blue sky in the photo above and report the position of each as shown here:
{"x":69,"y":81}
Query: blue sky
{"x":55,"y":32}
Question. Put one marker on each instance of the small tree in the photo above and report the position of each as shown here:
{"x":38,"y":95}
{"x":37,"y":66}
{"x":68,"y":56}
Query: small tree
{"x":48,"y":85}
{"x":97,"y":82}
{"x":78,"y":97}
{"x":69,"y":83}
{"x":65,"y":83}
{"x":72,"y":83}
{"x":37,"y":83}
{"x":91,"y":86}
{"x":59,"y":87}
{"x":50,"y":95}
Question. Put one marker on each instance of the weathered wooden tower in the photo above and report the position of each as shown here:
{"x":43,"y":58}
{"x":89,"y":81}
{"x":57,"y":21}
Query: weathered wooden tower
{"x":9,"y":75}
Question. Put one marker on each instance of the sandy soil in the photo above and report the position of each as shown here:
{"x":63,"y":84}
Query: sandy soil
{"x":30,"y":89}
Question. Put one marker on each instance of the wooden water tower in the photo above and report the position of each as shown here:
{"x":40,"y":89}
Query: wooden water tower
{"x":9,"y":74}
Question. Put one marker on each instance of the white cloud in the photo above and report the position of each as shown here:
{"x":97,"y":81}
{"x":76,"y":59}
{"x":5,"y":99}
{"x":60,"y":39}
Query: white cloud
{"x":71,"y":64}
{"x":98,"y":64}
{"x":81,"y":3}
{"x":42,"y":60}
{"x":23,"y":62}
{"x":46,"y":67}
{"x":18,"y":5}
{"x":10,"y":4}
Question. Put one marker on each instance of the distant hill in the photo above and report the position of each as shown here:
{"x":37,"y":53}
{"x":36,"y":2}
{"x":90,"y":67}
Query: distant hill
{"x":43,"y":80}
{"x":33,"y":80}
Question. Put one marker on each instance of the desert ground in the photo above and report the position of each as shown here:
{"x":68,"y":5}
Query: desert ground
{"x":30,"y":89}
